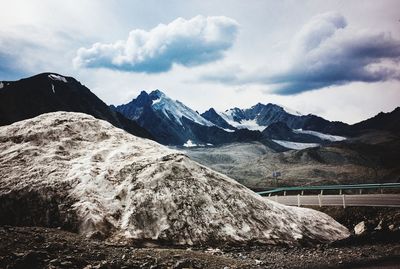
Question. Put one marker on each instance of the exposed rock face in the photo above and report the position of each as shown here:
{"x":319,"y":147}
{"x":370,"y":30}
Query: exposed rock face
{"x":81,"y":173}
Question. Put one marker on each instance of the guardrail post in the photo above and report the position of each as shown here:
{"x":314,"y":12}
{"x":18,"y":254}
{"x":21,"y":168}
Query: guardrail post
{"x":298,"y":200}
{"x":319,"y":200}
{"x":284,"y":193}
{"x":322,"y":192}
{"x":360,"y":191}
{"x":340,"y":192}
{"x":344,"y":201}
{"x":269,"y":194}
{"x":302,"y":192}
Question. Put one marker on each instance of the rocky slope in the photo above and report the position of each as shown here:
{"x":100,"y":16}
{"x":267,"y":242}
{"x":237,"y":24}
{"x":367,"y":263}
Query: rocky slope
{"x":370,"y":158}
{"x":80,"y":173}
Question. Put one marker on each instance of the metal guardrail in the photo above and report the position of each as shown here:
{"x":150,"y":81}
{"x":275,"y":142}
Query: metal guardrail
{"x":363,"y":200}
{"x":340,"y":188}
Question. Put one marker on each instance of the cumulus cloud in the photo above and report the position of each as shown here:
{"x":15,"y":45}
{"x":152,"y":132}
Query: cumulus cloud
{"x":326,"y":51}
{"x":186,"y":42}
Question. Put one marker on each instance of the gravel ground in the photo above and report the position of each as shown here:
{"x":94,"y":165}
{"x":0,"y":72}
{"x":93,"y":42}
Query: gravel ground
{"x":34,"y":247}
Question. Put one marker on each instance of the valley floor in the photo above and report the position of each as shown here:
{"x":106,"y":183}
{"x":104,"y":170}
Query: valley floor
{"x":34,"y":247}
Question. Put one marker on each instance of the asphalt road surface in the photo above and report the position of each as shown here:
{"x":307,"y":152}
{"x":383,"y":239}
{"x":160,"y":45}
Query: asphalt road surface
{"x":387,"y":200}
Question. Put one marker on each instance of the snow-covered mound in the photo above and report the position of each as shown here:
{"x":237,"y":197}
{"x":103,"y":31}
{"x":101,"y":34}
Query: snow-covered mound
{"x":75,"y":171}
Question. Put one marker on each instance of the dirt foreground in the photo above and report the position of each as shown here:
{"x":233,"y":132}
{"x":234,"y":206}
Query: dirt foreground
{"x":34,"y":247}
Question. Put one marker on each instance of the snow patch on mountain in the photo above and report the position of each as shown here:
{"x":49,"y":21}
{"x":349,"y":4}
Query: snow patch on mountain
{"x":291,"y":111}
{"x":156,"y":101}
{"x":1,"y":84}
{"x":227,"y":130}
{"x":176,"y":109}
{"x":58,"y":77}
{"x":295,"y":145}
{"x":189,"y":144}
{"x":232,"y":119}
{"x":251,"y":125}
{"x":333,"y":138}
{"x":119,"y":187}
{"x":52,"y":88}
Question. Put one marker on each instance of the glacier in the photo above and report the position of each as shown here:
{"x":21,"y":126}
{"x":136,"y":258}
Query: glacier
{"x":329,"y":137}
{"x":295,"y":145}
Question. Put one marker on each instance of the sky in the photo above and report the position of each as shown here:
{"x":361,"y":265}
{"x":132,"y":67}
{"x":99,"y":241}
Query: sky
{"x":334,"y":58}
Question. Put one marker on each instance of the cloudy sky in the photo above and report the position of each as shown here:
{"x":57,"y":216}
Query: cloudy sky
{"x":338,"y":59}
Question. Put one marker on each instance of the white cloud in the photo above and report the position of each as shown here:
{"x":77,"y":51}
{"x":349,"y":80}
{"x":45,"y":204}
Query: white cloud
{"x":326,"y":52}
{"x":186,"y":42}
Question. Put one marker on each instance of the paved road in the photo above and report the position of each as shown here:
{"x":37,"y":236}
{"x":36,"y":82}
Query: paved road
{"x":387,"y":200}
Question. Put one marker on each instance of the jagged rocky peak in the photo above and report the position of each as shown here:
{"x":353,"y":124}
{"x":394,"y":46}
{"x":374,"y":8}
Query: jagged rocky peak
{"x":156,"y":94}
{"x":84,"y":174}
{"x":211,"y":110}
{"x":142,"y":98}
{"x":236,"y":113}
{"x":210,"y":114}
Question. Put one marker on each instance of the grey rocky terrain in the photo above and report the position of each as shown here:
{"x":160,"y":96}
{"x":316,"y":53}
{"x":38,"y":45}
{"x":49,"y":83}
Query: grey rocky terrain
{"x":369,"y":158}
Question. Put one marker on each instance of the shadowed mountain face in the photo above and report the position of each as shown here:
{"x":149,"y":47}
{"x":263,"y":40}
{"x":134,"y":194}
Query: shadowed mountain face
{"x":383,"y":121}
{"x":281,"y":131}
{"x":49,"y":92}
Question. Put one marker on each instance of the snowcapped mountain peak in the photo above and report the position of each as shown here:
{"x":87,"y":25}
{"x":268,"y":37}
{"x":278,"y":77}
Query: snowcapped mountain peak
{"x":235,"y":114}
{"x":156,"y":94}
{"x":174,"y":109}
{"x":233,"y":110}
{"x":257,"y":106}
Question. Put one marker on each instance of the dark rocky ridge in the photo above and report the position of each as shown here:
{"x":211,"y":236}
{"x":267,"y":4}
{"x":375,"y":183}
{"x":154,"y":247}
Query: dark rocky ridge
{"x":30,"y":97}
{"x":383,"y":121}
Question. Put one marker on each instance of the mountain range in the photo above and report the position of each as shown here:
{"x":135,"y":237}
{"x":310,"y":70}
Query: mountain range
{"x":172,"y":123}
{"x":246,"y":144}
